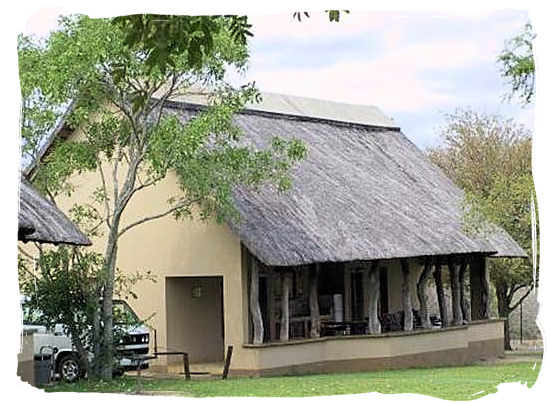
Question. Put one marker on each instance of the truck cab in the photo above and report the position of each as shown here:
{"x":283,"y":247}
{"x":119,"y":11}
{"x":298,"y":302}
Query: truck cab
{"x":133,"y":339}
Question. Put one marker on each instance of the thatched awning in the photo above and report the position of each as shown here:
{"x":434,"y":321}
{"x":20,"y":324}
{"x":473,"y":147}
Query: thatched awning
{"x":364,"y":192}
{"x":41,"y":221}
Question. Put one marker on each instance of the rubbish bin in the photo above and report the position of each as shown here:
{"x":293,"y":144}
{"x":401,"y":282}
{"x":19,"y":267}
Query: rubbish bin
{"x":42,"y":369}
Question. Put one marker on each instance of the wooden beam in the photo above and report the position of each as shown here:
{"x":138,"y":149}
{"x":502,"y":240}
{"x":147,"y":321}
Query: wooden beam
{"x":422,"y":292}
{"x":479,"y":288}
{"x":484,"y":272}
{"x":406,"y":295}
{"x":227,"y":362}
{"x":272,"y":307}
{"x":286,"y":281}
{"x":347,"y":292}
{"x":463,"y":301}
{"x":373,"y":275}
{"x":455,"y":291}
{"x":315,"y":331}
{"x":442,"y":302}
{"x":255,"y":309}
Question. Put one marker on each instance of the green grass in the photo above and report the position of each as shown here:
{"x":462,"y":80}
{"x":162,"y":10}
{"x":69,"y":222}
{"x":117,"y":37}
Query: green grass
{"x":450,"y":383}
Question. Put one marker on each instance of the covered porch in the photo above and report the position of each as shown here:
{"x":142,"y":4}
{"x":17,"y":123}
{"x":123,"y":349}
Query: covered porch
{"x":364,"y":297}
{"x":368,"y":315}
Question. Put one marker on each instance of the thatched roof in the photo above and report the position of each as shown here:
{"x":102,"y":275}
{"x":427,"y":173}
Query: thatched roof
{"x":40,"y":220}
{"x":364,"y":192}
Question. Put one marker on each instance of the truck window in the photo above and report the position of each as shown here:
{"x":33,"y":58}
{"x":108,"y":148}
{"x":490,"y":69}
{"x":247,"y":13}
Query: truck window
{"x":123,"y":313}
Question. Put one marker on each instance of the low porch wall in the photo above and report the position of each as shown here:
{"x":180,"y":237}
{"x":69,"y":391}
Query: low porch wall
{"x":422,"y":348}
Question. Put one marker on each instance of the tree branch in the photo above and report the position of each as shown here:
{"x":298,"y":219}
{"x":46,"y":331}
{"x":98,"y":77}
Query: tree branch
{"x":157,"y":216}
{"x":26,"y":254}
{"x":107,"y":208}
{"x":515,"y":305}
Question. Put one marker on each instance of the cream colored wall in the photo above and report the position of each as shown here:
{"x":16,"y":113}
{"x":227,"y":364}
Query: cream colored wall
{"x":374,"y":347}
{"x":170,"y":248}
{"x":395,"y":281}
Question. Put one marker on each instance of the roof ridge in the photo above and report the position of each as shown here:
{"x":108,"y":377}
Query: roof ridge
{"x":252,"y":111}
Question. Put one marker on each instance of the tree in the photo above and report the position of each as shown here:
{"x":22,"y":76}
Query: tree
{"x":164,"y":37}
{"x":67,"y":292}
{"x":518,"y":65}
{"x":118,"y":97}
{"x":490,"y":159}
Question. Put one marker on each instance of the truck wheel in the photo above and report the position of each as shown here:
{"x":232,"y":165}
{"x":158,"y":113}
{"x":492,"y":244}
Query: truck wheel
{"x":69,"y":368}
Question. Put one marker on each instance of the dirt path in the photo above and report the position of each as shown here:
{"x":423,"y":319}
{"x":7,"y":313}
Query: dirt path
{"x":514,"y":357}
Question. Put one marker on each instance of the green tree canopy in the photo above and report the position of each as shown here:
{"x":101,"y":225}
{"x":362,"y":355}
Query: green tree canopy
{"x":518,"y":65}
{"x":489,"y":157}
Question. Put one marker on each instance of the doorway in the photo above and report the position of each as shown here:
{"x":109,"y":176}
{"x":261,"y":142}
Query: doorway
{"x":195,"y":318}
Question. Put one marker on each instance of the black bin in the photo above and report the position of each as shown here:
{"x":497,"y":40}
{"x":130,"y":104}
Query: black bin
{"x":42,"y":369}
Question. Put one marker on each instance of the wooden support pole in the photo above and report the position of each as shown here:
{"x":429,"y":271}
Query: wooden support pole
{"x":373,"y":282}
{"x":455,"y":291}
{"x":442,"y":302}
{"x":463,"y":301}
{"x":406,"y":295}
{"x":315,"y":331}
{"x":255,"y":309}
{"x":285,"y":305}
{"x":347,"y":293}
{"x":486,"y":307}
{"x":422,"y":292}
{"x":479,"y":288}
{"x":186,"y":366}
{"x":227,"y":362}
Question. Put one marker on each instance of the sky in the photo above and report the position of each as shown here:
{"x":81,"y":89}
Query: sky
{"x":415,"y":66}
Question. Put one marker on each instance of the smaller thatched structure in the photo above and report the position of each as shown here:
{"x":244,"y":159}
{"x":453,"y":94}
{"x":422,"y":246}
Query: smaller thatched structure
{"x":41,"y":221}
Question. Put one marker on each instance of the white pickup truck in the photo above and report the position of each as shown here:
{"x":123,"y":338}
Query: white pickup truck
{"x":134,"y":341}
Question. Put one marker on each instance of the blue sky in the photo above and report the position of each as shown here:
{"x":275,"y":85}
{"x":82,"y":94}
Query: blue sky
{"x":415,"y":66}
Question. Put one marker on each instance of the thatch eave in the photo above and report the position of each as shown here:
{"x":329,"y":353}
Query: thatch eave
{"x":41,"y":221}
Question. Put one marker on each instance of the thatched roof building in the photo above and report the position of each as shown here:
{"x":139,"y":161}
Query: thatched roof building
{"x":41,"y":221}
{"x":364,"y":191}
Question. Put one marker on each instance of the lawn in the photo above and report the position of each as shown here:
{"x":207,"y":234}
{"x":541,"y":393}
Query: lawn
{"x":451,"y":383}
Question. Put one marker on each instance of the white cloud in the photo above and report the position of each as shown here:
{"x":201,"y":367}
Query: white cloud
{"x":390,"y":86}
{"x":398,"y":79}
{"x":44,"y":20}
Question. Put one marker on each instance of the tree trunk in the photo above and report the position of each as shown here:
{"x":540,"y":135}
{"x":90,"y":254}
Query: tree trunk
{"x":406,"y":296}
{"x":463,"y":301}
{"x":315,"y":331}
{"x":440,"y":294}
{"x":373,"y":275}
{"x":107,"y":352}
{"x":503,"y":302}
{"x":285,"y":303}
{"x":486,"y":289}
{"x":105,"y":358}
{"x":422,"y":292}
{"x":455,"y":291}
{"x":254,"y":298}
{"x":94,"y":369}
